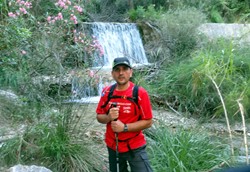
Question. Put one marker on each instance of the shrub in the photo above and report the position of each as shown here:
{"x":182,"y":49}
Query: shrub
{"x":179,"y":32}
{"x":149,"y":13}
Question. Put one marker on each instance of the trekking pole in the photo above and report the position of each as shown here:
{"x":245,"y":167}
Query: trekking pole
{"x":117,"y":153}
{"x":116,"y":142}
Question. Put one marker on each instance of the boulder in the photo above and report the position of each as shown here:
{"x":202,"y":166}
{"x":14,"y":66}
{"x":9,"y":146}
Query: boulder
{"x":25,"y":168}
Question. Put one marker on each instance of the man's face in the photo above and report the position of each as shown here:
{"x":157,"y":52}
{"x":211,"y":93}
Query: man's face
{"x":122,"y":74}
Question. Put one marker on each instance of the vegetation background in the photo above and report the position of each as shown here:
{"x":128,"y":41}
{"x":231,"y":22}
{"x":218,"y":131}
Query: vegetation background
{"x":208,"y":80}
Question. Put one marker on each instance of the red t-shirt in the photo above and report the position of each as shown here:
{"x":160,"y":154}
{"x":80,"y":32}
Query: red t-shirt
{"x":128,"y":113}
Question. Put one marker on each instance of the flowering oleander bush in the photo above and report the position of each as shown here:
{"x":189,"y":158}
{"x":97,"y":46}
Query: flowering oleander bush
{"x":36,"y":44}
{"x":54,"y":40}
{"x":21,"y":8}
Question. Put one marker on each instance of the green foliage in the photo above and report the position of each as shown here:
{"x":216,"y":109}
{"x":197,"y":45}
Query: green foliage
{"x":3,"y":9}
{"x":215,"y":16}
{"x":15,"y":35}
{"x":94,"y":6}
{"x":141,"y":78}
{"x":9,"y":152}
{"x":136,"y":14}
{"x":41,"y":8}
{"x":229,"y":67}
{"x":50,"y":144}
{"x":142,"y":13}
{"x":184,"y":150}
{"x":228,"y":11}
{"x":30,"y":46}
{"x":217,"y":11}
{"x":180,"y":26}
{"x":187,"y":87}
{"x":224,"y":11}
{"x":182,"y":87}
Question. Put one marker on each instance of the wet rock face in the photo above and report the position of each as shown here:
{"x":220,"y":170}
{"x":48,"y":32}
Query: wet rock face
{"x":149,"y":32}
{"x":24,"y":168}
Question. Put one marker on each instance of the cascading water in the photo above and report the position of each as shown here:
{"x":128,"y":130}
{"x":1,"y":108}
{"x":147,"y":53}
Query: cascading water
{"x":117,"y":40}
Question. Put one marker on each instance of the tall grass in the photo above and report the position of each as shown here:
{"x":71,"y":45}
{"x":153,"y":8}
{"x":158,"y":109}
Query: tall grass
{"x":182,"y":150}
{"x":50,"y":141}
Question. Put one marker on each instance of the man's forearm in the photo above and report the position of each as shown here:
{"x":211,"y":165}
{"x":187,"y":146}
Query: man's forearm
{"x":103,"y":118}
{"x":139,"y":125}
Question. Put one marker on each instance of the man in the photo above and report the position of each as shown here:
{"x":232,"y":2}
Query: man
{"x":125,"y":121}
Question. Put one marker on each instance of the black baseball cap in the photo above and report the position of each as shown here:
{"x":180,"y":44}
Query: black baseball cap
{"x":121,"y":61}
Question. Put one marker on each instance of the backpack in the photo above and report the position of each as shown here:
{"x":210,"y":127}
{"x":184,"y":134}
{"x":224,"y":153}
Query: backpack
{"x":133,"y":99}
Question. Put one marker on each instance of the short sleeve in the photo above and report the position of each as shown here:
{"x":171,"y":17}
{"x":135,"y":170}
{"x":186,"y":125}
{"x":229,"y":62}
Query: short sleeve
{"x":145,"y":104}
{"x":102,"y":101}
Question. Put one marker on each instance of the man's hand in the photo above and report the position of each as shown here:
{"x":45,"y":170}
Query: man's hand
{"x":117,"y":126}
{"x":113,"y":113}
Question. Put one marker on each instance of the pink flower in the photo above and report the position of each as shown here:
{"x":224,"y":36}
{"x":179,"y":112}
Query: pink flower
{"x":73,"y":18}
{"x":60,"y":4}
{"x":23,"y":52}
{"x":28,"y":4}
{"x":10,"y":14}
{"x":49,"y":19}
{"x":60,"y":16}
{"x":101,"y":51}
{"x":78,"y":8}
{"x":75,"y":39}
{"x":23,"y":10}
{"x":91,"y":73}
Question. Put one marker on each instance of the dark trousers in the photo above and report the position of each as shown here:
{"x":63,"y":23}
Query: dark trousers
{"x":137,"y":160}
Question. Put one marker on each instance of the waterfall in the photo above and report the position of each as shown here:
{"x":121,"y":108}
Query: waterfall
{"x":118,"y":40}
